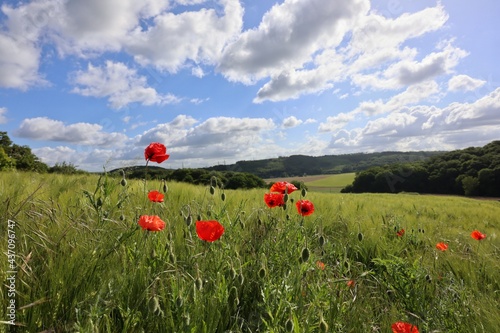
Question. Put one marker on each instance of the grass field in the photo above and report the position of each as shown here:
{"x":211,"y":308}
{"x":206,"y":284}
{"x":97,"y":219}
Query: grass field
{"x":322,"y":183}
{"x":82,"y":263}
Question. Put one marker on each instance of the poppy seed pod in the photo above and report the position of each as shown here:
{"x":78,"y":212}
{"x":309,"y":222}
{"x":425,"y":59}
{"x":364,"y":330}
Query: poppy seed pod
{"x":323,"y":326}
{"x":305,"y":254}
{"x":321,"y":240}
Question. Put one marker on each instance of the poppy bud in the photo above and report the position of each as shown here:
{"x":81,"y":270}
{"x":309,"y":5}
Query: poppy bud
{"x":323,"y":326}
{"x":360,"y":236}
{"x":154,"y":304}
{"x":212,"y":190}
{"x":321,"y":240}
{"x":289,"y":325}
{"x":122,"y":217}
{"x":165,"y":188}
{"x":99,"y":202}
{"x":179,"y":301}
{"x":305,"y":254}
{"x":198,"y":218}
{"x":172,"y":257}
{"x":262,"y":273}
{"x":285,"y":197}
{"x":189,"y":220}
{"x":213,"y":181}
{"x":123,"y":182}
{"x":223,"y":196}
{"x":199,"y":283}
{"x":284,"y":207}
{"x":303,"y":192}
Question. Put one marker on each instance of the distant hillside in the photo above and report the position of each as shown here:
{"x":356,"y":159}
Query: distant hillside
{"x":299,"y":165}
{"x":473,"y":171}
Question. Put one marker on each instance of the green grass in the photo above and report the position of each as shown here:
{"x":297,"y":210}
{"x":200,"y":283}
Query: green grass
{"x":332,"y":183}
{"x":84,"y":265}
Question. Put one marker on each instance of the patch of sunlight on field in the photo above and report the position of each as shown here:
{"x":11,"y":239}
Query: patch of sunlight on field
{"x":332,"y":183}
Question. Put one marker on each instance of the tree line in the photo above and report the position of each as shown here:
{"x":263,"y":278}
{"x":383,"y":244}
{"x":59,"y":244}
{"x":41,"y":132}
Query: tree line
{"x":474,"y":171}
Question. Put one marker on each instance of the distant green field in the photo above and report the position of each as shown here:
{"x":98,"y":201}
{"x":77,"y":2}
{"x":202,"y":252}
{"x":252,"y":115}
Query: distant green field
{"x":340,"y":180}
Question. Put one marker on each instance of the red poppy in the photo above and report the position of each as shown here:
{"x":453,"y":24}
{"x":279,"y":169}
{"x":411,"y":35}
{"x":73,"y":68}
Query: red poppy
{"x":477,"y":235}
{"x":305,"y":207}
{"x":151,"y":223}
{"x":400,"y":233}
{"x":155,"y":196}
{"x":274,"y":199}
{"x":351,"y":283}
{"x":442,"y":246}
{"x":320,"y":265}
{"x":156,"y":152}
{"x":282,"y":187}
{"x":401,"y":327}
{"x":209,"y":231}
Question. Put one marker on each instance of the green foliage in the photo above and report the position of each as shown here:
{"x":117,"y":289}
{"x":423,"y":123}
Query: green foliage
{"x":65,"y":168}
{"x":84,"y":265}
{"x":19,"y":157}
{"x":471,"y":171}
{"x":300,"y":165}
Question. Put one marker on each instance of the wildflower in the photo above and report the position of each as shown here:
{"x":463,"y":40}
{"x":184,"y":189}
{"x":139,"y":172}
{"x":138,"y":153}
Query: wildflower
{"x":477,"y":235}
{"x":151,"y":223}
{"x":283,"y":187}
{"x":305,"y":207}
{"x":156,"y":152}
{"x":400,"y":233}
{"x":320,"y":265}
{"x":155,"y":196}
{"x":402,"y":327}
{"x":209,"y":231}
{"x":274,"y":199}
{"x":442,"y":246}
{"x":351,"y":283}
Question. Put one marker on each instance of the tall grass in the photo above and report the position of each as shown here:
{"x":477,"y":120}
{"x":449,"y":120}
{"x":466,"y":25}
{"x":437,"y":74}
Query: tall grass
{"x":86,"y":266}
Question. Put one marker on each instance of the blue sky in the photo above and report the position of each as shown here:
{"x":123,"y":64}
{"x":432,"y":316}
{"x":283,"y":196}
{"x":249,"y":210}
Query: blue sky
{"x":93,"y":82}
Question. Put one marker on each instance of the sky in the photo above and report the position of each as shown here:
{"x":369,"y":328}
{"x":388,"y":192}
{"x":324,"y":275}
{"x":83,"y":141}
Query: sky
{"x":93,"y":82}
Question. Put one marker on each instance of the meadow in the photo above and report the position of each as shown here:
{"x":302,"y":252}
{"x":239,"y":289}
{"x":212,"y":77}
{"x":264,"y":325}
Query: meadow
{"x":322,"y":183}
{"x":359,"y":263}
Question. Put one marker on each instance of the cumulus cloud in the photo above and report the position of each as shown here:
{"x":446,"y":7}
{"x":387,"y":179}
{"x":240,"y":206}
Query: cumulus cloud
{"x":287,"y":36}
{"x":120,"y":84}
{"x":3,"y":118}
{"x":43,"y":128}
{"x":464,"y":83}
{"x":335,"y":123}
{"x":199,"y":36}
{"x":427,"y":127}
{"x":291,"y":122}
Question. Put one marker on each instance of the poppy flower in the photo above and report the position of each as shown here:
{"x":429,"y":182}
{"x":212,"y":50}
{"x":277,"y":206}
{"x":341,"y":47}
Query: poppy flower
{"x":400,"y":233}
{"x":442,"y":246}
{"x":305,"y":207}
{"x":209,"y":231}
{"x":351,"y":283}
{"x":155,"y":196}
{"x":151,"y":223}
{"x":477,"y":235}
{"x":282,"y":187}
{"x":156,"y":152}
{"x":402,"y":327}
{"x":320,"y":265}
{"x":274,"y":199}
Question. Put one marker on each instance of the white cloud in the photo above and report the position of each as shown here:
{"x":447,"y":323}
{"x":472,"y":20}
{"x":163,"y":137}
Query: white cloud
{"x":427,"y":127}
{"x":42,"y":128}
{"x":3,"y":118}
{"x":121,"y":85}
{"x":198,"y":72}
{"x":337,"y":122}
{"x":291,"y":122}
{"x":288,"y":35}
{"x":198,"y":36}
{"x":464,"y":83}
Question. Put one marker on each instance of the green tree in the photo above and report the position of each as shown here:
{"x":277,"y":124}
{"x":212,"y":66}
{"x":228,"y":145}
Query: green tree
{"x":6,"y":163}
